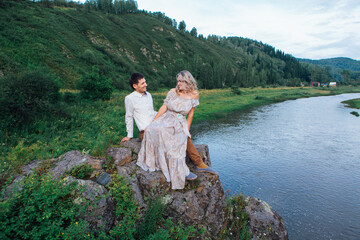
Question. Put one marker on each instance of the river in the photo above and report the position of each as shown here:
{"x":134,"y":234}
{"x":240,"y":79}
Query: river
{"x":300,"y":156}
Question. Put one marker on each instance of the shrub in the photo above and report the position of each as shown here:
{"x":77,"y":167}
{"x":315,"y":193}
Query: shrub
{"x":127,"y":211}
{"x":236,"y":90}
{"x":43,"y":209}
{"x":28,"y":96}
{"x":81,"y":171}
{"x":355,"y":113}
{"x":70,"y":97}
{"x":154,"y":226}
{"x":19,"y":156}
{"x":236,"y":219}
{"x":95,"y":86}
{"x":152,"y":218}
{"x":89,"y":56}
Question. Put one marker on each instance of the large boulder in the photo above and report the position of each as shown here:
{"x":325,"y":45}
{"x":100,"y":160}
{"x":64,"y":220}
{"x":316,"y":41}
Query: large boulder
{"x":199,"y":204}
{"x":264,"y":222}
{"x":73,"y":158}
{"x":120,"y":156}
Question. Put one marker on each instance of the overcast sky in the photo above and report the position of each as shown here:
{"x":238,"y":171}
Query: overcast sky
{"x":314,"y":29}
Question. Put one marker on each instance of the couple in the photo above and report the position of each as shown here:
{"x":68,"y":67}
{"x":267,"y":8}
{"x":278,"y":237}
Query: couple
{"x":165,"y":135}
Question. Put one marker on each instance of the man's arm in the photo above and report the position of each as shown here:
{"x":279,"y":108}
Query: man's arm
{"x":129,"y":120}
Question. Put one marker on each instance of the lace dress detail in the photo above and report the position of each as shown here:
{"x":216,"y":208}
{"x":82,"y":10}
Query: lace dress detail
{"x":164,"y":144}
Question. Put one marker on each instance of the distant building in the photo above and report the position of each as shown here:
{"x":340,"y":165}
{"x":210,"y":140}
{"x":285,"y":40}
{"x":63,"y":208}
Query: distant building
{"x":316,"y":84}
{"x":332,"y":84}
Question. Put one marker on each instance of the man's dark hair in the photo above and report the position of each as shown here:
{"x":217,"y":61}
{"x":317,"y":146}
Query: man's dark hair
{"x":134,"y":79}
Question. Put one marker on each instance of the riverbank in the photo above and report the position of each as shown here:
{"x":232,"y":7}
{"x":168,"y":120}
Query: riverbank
{"x":93,"y":127}
{"x":353,"y":103}
{"x":219,"y":103}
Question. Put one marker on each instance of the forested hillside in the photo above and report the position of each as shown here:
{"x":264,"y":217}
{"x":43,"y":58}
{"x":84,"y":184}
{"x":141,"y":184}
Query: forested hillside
{"x":72,"y":39}
{"x":346,"y":70}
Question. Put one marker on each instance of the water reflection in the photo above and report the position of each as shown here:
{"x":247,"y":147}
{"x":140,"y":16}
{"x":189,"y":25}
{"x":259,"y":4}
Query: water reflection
{"x":300,"y":156}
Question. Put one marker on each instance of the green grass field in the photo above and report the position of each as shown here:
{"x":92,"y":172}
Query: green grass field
{"x":92,"y":127}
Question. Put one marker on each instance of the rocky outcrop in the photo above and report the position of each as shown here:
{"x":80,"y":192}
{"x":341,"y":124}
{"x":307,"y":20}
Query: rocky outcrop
{"x":100,"y":213}
{"x":264,"y":222}
{"x":199,"y":204}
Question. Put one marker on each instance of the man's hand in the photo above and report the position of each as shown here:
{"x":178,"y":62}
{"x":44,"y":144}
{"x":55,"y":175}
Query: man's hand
{"x":125,"y":139}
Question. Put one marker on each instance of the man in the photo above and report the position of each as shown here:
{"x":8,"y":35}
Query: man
{"x":139,"y":106}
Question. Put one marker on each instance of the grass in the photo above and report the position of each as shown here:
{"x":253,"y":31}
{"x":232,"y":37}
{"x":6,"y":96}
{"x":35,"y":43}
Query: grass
{"x":95,"y":126}
{"x":353,"y":103}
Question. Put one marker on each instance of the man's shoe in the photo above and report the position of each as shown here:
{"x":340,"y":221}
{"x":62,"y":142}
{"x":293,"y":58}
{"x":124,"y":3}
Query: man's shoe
{"x":191,"y":176}
{"x":207,"y":169}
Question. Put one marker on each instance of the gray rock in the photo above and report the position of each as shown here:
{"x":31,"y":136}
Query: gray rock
{"x":30,"y":167}
{"x":26,"y":171}
{"x":134,"y":144}
{"x":264,"y":222}
{"x":101,"y":212}
{"x":71,"y":159}
{"x":103,"y":179}
{"x":203,"y":150}
{"x":121,"y":156}
{"x":199,"y":204}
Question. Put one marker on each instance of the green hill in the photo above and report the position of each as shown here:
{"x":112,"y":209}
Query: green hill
{"x":337,"y":63}
{"x":341,"y":69}
{"x":70,"y":39}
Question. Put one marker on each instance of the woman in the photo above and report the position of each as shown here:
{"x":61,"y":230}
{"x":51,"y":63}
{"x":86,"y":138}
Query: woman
{"x":164,"y":144}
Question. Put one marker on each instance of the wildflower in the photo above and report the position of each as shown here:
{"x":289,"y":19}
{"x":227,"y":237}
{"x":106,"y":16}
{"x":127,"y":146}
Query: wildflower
{"x":76,"y":223}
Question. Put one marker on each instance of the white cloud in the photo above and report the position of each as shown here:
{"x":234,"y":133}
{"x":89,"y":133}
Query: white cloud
{"x":301,"y":28}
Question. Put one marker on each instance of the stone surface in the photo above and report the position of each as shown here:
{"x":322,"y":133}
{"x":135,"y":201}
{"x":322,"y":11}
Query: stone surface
{"x":101,"y":212}
{"x":70,"y":159}
{"x":199,"y":204}
{"x":203,"y":150}
{"x":264,"y":222}
{"x":134,"y":144}
{"x":26,"y":170}
{"x":96,"y":163}
{"x":121,"y":156}
{"x":103,"y":179}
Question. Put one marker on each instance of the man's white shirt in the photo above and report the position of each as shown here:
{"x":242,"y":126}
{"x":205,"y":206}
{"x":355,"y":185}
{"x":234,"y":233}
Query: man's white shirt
{"x":139,"y":107}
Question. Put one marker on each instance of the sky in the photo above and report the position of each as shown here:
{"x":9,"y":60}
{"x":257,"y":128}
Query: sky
{"x":313,"y":29}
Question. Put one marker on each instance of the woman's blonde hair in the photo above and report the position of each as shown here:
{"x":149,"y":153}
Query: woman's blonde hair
{"x":190,"y":83}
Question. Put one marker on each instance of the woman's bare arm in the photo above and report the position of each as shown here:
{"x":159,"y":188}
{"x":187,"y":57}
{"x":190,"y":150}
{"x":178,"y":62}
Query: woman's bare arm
{"x":161,"y":111}
{"x":190,"y":117}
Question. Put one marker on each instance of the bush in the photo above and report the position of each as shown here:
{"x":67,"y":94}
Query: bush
{"x":28,"y":96}
{"x":81,"y":171}
{"x":152,"y":218}
{"x":89,"y":56}
{"x":70,"y":97}
{"x":43,"y":209}
{"x":95,"y":86}
{"x":236,"y":219}
{"x":236,"y":90}
{"x":355,"y":113}
{"x":127,"y":211}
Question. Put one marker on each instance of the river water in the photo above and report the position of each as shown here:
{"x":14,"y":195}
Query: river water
{"x":300,"y":156}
